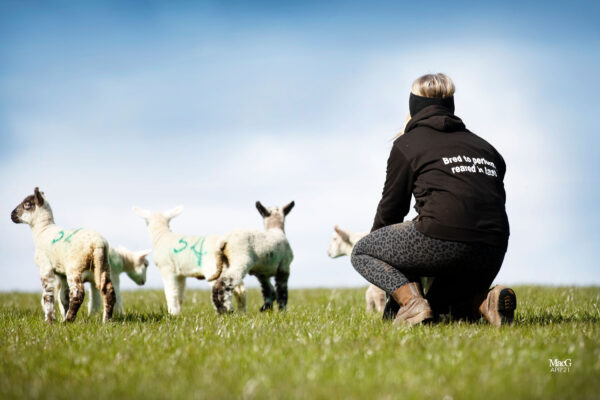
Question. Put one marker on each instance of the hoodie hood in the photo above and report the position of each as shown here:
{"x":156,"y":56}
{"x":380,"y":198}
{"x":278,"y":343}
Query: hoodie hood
{"x":436,"y":117}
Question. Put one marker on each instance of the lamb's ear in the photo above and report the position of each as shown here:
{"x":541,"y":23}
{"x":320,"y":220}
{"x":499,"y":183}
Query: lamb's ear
{"x":288,"y":207}
{"x":141,"y":212}
{"x":262,"y":210}
{"x":344,"y":235}
{"x":39,"y":198}
{"x":143,"y":253}
{"x":173,"y":212}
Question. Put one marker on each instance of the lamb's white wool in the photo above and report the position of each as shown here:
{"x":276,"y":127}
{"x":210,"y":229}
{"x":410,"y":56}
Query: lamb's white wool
{"x":264,"y":254}
{"x":71,"y":256}
{"x":375,"y":299}
{"x":342,"y":243}
{"x":133,"y":263}
{"x":179,"y":256}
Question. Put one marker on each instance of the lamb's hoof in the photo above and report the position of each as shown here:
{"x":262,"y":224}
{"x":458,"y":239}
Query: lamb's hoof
{"x":266,"y":307}
{"x":224,"y":310}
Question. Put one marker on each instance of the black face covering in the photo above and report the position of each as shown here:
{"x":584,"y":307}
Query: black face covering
{"x":417,"y":103}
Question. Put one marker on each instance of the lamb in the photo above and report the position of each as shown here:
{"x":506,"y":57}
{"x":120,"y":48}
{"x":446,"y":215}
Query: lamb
{"x":73,"y":256}
{"x":342,"y":244}
{"x":133,"y":263}
{"x":264,"y":254}
{"x":180,"y":256}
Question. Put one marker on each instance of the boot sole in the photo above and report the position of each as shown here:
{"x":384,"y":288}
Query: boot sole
{"x":507,"y":304}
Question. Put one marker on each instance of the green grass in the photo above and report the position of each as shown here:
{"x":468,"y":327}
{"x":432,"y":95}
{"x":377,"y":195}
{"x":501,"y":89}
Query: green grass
{"x":324,"y":347}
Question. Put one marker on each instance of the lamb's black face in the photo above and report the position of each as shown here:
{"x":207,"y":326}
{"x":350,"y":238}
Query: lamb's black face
{"x":26,"y":206}
{"x":23,"y":213}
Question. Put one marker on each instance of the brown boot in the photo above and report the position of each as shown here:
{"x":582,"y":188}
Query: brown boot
{"x":414,"y":309}
{"x":498,"y":307}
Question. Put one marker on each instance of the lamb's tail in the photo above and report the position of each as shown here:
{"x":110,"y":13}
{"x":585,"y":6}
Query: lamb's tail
{"x":222,"y":260}
{"x":101,"y":265}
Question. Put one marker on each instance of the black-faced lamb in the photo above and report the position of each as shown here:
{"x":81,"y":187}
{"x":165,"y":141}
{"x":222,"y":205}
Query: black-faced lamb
{"x":71,"y":255}
{"x":264,"y":254}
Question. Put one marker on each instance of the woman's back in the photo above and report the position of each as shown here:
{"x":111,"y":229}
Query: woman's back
{"x":457,"y":179}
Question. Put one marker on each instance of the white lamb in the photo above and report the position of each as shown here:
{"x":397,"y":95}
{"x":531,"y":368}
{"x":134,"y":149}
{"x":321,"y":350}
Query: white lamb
{"x":74,"y":256}
{"x":180,"y":256}
{"x":263,"y":254}
{"x":133,"y":263}
{"x":342,"y":244}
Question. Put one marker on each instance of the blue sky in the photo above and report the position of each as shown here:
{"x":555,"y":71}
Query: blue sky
{"x":215,"y":106}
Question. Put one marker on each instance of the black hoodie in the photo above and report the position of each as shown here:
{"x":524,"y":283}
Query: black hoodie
{"x":455,"y":176}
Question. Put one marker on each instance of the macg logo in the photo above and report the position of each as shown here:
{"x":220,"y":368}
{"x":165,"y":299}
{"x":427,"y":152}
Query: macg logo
{"x":557,"y":365}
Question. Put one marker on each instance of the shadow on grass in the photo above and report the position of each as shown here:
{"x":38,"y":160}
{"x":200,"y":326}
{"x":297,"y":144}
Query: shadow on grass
{"x":21,"y":313}
{"x":141,"y":317}
{"x":548,"y":318}
{"x":540,"y":319}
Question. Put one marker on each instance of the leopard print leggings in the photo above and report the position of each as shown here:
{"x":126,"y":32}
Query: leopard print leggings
{"x":397,"y":254}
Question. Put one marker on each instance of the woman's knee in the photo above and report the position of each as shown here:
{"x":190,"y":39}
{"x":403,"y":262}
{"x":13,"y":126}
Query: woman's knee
{"x":358,"y":249}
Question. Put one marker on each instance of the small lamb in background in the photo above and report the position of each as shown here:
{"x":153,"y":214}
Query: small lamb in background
{"x":180,"y":256}
{"x":133,"y":263}
{"x":342,"y":244}
{"x":264,"y":254}
{"x":73,"y":256}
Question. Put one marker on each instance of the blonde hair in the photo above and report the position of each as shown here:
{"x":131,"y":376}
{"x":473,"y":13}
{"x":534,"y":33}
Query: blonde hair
{"x":430,"y":85}
{"x":433,"y":85}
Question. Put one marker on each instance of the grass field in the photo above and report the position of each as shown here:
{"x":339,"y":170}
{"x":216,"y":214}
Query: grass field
{"x":324,"y":347}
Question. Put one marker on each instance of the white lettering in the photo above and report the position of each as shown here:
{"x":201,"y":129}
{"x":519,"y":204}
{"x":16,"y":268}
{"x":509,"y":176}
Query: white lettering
{"x":473,"y":168}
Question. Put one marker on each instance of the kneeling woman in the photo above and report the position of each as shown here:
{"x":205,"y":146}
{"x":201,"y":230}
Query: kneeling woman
{"x":461,"y":232}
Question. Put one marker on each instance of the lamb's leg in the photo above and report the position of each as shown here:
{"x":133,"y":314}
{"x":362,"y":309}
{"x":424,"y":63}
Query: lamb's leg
{"x":222,"y":292}
{"x":368,"y":300}
{"x":172,"y":289}
{"x":76,"y":295}
{"x":380,"y":300}
{"x":281,"y":279}
{"x":95,"y":303}
{"x":239,"y":293}
{"x":48,"y":287}
{"x":268,"y":292}
{"x":118,"y":300}
{"x":63,"y":296}
{"x":180,"y":287}
{"x":107,"y":291}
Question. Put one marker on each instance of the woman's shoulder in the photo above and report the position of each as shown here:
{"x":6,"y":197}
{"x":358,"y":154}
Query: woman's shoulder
{"x":412,"y":138}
